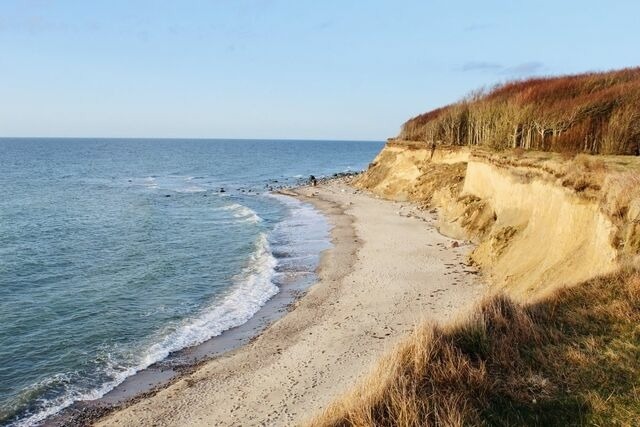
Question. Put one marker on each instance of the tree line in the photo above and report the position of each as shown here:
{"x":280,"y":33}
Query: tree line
{"x":596,"y":113}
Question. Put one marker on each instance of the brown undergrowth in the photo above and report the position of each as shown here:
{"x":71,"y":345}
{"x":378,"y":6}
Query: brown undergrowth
{"x":571,"y":359}
{"x":592,"y":112}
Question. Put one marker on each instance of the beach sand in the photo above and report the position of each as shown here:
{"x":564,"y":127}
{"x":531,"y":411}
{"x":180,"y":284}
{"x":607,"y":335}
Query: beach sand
{"x":388,"y":271}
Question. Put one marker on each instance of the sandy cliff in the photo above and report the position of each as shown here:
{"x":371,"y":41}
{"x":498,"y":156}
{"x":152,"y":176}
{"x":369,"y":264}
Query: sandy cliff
{"x":540,"y":221}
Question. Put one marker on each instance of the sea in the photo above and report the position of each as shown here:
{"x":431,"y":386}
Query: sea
{"x":116,"y":253}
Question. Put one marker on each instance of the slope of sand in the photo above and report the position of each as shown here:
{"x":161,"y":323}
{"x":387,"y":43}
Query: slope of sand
{"x":388,"y":271}
{"x":514,"y":206}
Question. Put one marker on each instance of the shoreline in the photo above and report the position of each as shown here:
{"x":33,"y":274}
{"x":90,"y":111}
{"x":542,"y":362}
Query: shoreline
{"x":163,"y":374}
{"x":178,"y":364}
{"x":360,"y":307}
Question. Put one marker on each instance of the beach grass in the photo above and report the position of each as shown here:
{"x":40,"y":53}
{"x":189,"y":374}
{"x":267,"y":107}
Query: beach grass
{"x":571,"y":359}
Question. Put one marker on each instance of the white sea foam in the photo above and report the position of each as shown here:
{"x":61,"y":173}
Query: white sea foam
{"x":181,"y":184}
{"x":191,"y":189}
{"x":54,"y":406}
{"x":178,"y":184}
{"x":150,"y":182}
{"x":244,"y":213}
{"x":304,"y":224}
{"x":252,"y":288}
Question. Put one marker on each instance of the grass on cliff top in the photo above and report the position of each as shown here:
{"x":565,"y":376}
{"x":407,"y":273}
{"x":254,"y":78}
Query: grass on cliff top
{"x":572,"y":359}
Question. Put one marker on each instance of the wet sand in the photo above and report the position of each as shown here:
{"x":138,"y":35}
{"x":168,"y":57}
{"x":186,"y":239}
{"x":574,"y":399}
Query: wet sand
{"x":389,"y":270}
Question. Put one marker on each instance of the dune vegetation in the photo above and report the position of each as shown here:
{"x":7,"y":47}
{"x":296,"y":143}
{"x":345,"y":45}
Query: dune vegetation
{"x":570,"y":359}
{"x":597,"y":113}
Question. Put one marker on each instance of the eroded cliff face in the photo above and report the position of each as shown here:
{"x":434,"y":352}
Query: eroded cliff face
{"x":543,"y":235}
{"x":406,"y":171}
{"x":534,"y":231}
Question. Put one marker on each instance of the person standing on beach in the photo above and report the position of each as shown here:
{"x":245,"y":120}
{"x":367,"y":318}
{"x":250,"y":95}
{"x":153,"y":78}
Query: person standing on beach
{"x":433,"y":149}
{"x":313,"y":181}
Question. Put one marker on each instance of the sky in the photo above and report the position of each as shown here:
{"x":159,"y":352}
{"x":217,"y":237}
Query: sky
{"x":296,"y":69}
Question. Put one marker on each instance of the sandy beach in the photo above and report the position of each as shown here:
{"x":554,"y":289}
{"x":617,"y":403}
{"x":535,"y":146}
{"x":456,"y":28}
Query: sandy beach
{"x":389,"y":269}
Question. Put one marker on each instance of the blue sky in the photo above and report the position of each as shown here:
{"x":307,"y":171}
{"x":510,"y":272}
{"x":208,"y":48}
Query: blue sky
{"x":282,"y":69}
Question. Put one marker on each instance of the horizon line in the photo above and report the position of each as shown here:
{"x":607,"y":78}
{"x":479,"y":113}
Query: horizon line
{"x":191,"y":138}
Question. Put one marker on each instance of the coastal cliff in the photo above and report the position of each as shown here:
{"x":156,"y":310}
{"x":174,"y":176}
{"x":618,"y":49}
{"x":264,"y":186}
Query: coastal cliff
{"x":540,"y":220}
{"x":557,"y":237}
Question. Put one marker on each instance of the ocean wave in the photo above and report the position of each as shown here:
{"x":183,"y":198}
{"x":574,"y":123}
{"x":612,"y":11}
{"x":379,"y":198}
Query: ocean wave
{"x":177,"y":184}
{"x":72,"y":394}
{"x":251,"y":289}
{"x":150,"y":182}
{"x":191,"y":189}
{"x":301,"y":236}
{"x":242,"y":212}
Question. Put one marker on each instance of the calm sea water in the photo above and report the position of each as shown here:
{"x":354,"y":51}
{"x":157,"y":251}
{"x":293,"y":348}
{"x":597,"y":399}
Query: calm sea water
{"x":114,"y":253}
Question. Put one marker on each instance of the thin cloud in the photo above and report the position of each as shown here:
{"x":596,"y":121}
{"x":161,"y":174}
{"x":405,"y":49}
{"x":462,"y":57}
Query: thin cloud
{"x":480,"y":66}
{"x":324,"y":25}
{"x":34,"y":24}
{"x":523,"y":69}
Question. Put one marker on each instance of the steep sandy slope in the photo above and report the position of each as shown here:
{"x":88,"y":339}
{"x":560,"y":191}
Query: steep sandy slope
{"x":536,"y":229}
{"x":543,"y":235}
{"x":406,"y":171}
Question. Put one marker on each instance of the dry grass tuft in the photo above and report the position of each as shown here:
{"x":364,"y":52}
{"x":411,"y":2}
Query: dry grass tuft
{"x":591,"y":164}
{"x":518,"y":152}
{"x":620,"y":192}
{"x":568,"y":155}
{"x":572,"y":359}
